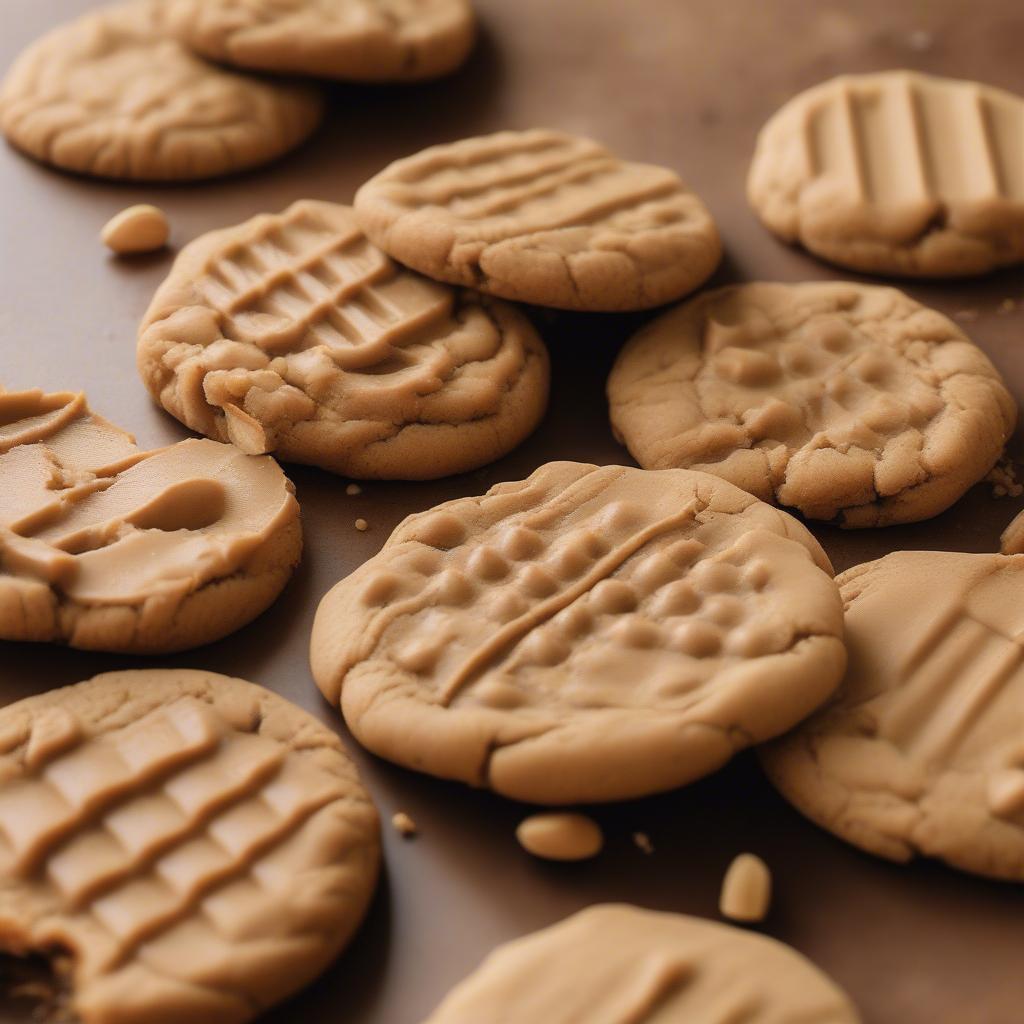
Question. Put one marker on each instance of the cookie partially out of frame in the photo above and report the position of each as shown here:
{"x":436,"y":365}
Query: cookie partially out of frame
{"x":587,"y":634}
{"x":114,"y":95}
{"x":358,"y":40}
{"x":846,"y":402}
{"x":621,"y":963}
{"x":105,"y":547}
{"x":293,"y":334}
{"x":920,"y":753}
{"x":543,"y":217}
{"x":896,"y":173}
{"x":183,"y":846}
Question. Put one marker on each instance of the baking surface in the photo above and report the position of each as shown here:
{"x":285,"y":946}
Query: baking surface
{"x":685,"y":83}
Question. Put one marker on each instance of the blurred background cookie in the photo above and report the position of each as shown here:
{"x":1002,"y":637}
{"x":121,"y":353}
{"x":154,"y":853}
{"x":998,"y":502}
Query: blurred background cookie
{"x":293,"y":334}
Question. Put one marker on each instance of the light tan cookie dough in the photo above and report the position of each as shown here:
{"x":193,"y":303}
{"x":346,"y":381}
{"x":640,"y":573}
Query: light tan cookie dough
{"x":360,"y":40}
{"x":896,"y":173}
{"x":921,"y":751}
{"x":183,"y":845}
{"x":845,"y":402}
{"x":611,"y":964}
{"x":543,"y":217}
{"x":112,"y":94}
{"x":293,"y":334}
{"x":583,"y":635}
{"x":105,"y":547}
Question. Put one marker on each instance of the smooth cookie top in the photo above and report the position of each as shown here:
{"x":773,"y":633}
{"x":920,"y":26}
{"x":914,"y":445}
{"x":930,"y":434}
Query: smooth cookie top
{"x":103,"y":546}
{"x":846,"y":402}
{"x":584,"y":635}
{"x":360,"y":40}
{"x":293,"y":334}
{"x":896,"y":173}
{"x":920,"y":753}
{"x":616,"y":963}
{"x":114,"y":95}
{"x":543,"y":217}
{"x":196,"y":847}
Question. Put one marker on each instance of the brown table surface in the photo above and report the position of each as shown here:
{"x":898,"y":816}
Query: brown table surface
{"x":684,"y":83}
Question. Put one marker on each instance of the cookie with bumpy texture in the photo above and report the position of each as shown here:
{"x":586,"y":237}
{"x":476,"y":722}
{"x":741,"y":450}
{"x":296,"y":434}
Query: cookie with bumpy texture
{"x":184,"y":846}
{"x":358,"y":40}
{"x":587,"y":634}
{"x":105,"y":547}
{"x":543,"y":217}
{"x":293,"y":334}
{"x":920,"y":753}
{"x":845,"y":402}
{"x":896,"y":173}
{"x":621,"y":963}
{"x":114,"y":95}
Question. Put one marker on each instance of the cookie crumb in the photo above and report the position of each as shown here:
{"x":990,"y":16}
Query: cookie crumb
{"x":138,"y":229}
{"x":920,"y":40}
{"x":746,"y":889}
{"x":353,"y":489}
{"x":643,"y":842}
{"x":1007,"y":306}
{"x":362,"y":525}
{"x":404,"y":825}
{"x":1003,"y":478}
{"x":560,"y":836}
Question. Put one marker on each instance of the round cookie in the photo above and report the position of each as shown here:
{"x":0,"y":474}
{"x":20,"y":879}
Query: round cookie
{"x":896,"y":173}
{"x":920,"y":752}
{"x":113,"y":95}
{"x":105,"y":547}
{"x":185,"y":846}
{"x":359,"y":40}
{"x":843,"y":401}
{"x":620,"y":963}
{"x":587,"y":634}
{"x":293,"y":334}
{"x":543,"y":217}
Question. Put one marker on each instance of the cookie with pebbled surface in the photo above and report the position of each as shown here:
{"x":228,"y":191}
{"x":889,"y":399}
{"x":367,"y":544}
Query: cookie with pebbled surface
{"x":114,"y":95}
{"x":896,"y":173}
{"x":842,"y":401}
{"x":543,"y":217}
{"x":293,"y":334}
{"x":587,"y":634}
{"x":357,"y":40}
{"x":616,"y":963}
{"x":920,"y":752}
{"x":106,"y":547}
{"x":182,"y":845}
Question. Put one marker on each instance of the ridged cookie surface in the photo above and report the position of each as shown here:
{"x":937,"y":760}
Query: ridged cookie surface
{"x":896,"y":173}
{"x":583,"y":635}
{"x":543,"y":217}
{"x":293,"y":334}
{"x":846,"y":402}
{"x":361,"y":40}
{"x":114,"y":95}
{"x":188,"y":847}
{"x":105,"y":547}
{"x":615,"y":964}
{"x":920,"y":753}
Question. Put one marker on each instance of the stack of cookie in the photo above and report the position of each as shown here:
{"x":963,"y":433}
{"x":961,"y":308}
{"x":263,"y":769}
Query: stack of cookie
{"x":197,"y":848}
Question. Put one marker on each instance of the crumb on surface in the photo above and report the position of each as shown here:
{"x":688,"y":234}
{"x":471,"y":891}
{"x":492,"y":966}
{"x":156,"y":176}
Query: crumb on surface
{"x":1007,"y":305}
{"x":643,"y":842}
{"x":362,"y":525}
{"x":1003,"y":478}
{"x":353,"y":489}
{"x":404,"y":825}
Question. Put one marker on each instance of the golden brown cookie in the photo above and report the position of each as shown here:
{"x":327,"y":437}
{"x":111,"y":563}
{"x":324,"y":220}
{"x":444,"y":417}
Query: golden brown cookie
{"x":921,"y":751}
{"x":293,"y":334}
{"x":112,"y":94}
{"x":845,"y":402}
{"x":104,"y":547}
{"x":583,"y":635}
{"x":543,"y":217}
{"x":896,"y":173}
{"x":618,"y":963}
{"x":184,"y":846}
{"x":359,"y":40}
